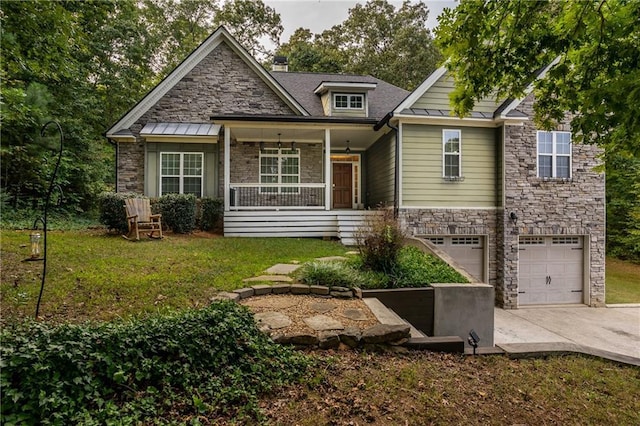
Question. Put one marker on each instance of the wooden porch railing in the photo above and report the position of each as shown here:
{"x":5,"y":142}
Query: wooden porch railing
{"x":270,"y":196}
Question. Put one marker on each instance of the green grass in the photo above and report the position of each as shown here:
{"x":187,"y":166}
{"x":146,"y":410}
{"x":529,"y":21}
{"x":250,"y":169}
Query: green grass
{"x":622,"y":281}
{"x":93,"y":275}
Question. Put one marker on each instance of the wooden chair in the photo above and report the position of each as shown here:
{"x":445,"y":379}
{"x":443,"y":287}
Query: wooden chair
{"x":139,"y":217}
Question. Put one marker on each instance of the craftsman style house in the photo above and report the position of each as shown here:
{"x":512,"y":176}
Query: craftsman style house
{"x":305,"y":154}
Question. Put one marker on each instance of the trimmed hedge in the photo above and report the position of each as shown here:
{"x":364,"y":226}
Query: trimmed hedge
{"x":211,"y":213}
{"x":178,"y":212}
{"x":168,"y":367}
{"x":112,"y":212}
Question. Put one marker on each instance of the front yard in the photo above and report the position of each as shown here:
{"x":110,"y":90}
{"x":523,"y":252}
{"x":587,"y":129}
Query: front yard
{"x":94,"y":276}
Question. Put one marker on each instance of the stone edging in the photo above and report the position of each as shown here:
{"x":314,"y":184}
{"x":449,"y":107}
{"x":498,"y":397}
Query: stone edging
{"x":374,"y":337}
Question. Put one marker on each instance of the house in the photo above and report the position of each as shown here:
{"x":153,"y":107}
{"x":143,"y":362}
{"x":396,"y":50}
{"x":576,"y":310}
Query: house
{"x":304,"y":154}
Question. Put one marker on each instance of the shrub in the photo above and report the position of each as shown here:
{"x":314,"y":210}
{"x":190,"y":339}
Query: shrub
{"x":211,"y":212}
{"x":418,"y":269}
{"x":178,"y":212}
{"x":112,"y":212}
{"x":379,"y":242}
{"x":341,"y":274}
{"x":212,"y":361}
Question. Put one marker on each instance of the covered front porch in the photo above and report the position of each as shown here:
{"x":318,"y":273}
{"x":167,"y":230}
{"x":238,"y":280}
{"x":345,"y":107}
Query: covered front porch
{"x":298,"y":179}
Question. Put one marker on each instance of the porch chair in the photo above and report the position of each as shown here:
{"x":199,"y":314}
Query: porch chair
{"x":139,"y":217}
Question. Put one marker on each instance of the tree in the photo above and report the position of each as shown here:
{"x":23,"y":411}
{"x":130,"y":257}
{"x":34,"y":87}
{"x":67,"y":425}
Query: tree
{"x":377,"y":39}
{"x":250,"y":21}
{"x":623,"y":206}
{"x":499,"y":46}
{"x":84,"y":64}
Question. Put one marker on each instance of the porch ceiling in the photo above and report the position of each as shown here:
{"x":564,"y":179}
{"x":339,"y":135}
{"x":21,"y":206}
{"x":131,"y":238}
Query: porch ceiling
{"x":360,"y":137}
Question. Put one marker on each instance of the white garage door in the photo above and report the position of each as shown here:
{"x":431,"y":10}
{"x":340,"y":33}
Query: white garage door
{"x":550,"y":270}
{"x":466,"y":250}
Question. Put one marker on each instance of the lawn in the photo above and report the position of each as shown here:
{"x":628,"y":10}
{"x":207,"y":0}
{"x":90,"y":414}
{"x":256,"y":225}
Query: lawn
{"x":94,"y":275}
{"x":622,"y":281}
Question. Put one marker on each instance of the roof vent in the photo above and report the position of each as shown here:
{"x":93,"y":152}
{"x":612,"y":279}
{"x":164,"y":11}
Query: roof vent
{"x":280,"y":63}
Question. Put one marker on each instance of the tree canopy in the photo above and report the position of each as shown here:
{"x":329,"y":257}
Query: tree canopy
{"x":377,"y":39}
{"x":84,"y":64}
{"x":500,"y":45}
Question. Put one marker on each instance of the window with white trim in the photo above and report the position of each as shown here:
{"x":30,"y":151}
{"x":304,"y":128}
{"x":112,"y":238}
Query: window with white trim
{"x":348,"y":101}
{"x":451,"y":154}
{"x":279,"y":166}
{"x":181,"y":173}
{"x":554,"y":155}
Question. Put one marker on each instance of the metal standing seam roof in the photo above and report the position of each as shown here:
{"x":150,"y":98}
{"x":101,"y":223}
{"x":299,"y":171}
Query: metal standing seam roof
{"x":448,"y":113}
{"x":181,"y":129}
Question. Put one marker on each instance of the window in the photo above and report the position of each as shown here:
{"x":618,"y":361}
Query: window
{"x":278,"y":166}
{"x":344,"y":101}
{"x":451,"y":154}
{"x":181,"y":173}
{"x":554,"y":155}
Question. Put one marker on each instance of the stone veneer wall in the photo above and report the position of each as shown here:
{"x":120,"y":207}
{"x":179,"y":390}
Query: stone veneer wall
{"x":550,"y":206}
{"x":222,"y":83}
{"x":481,"y":222}
{"x":245,"y":168}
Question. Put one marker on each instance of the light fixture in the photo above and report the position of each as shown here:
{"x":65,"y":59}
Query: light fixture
{"x":348,"y":150}
{"x":293,"y":145}
{"x":34,"y":239}
{"x":279,"y":143}
{"x":261,"y":146}
{"x":514,"y":217}
{"x":473,"y":340}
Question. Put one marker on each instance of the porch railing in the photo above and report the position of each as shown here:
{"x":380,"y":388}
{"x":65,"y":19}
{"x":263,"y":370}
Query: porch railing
{"x":269,"y":196}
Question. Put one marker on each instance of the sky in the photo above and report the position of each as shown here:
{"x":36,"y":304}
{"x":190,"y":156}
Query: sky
{"x":319,"y":15}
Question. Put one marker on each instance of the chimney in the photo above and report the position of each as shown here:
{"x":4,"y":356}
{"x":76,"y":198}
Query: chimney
{"x":280,"y":63}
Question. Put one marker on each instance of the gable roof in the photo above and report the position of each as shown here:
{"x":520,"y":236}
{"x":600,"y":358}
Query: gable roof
{"x":301,"y":85}
{"x":420,"y":90}
{"x":221,"y":35}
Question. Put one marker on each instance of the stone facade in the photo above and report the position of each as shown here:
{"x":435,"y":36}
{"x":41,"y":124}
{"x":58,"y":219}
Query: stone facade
{"x":245,"y":168}
{"x":548,"y":207}
{"x":543,"y":206}
{"x":222,"y":83}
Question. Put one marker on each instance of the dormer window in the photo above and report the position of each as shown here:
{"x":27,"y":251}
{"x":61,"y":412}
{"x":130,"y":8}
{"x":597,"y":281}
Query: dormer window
{"x":348,"y":101}
{"x":345,"y":98}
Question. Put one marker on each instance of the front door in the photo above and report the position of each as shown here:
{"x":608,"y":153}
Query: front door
{"x":342,"y":185}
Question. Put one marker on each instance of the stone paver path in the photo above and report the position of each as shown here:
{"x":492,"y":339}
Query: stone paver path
{"x":273,"y":320}
{"x":282,"y":269}
{"x":323,"y":323}
{"x":271,"y":278}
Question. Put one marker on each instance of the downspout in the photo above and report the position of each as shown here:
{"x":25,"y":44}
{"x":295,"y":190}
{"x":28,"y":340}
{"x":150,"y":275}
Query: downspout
{"x":115,"y":145}
{"x":396,"y":177}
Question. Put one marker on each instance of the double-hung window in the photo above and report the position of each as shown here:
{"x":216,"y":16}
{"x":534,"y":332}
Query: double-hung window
{"x":554,"y":155}
{"x":451,"y":154}
{"x":348,"y":101}
{"x":279,"y":166}
{"x":181,"y":173}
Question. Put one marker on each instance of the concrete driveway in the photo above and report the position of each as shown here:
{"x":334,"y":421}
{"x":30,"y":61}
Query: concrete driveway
{"x":612,"y":329}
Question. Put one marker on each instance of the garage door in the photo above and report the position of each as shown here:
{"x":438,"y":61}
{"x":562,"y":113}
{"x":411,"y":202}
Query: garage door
{"x":466,"y":250}
{"x":550,"y":270}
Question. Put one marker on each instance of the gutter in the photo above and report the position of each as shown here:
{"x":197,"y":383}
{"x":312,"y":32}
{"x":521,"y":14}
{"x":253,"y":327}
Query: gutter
{"x":115,"y":145}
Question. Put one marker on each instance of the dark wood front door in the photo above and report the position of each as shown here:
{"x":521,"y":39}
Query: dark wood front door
{"x":342,"y":185}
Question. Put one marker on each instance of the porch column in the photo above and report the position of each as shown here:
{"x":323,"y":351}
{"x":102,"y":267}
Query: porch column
{"x":227,"y":167}
{"x":327,"y":169}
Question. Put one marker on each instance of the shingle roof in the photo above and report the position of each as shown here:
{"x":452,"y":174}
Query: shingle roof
{"x":384,"y":98}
